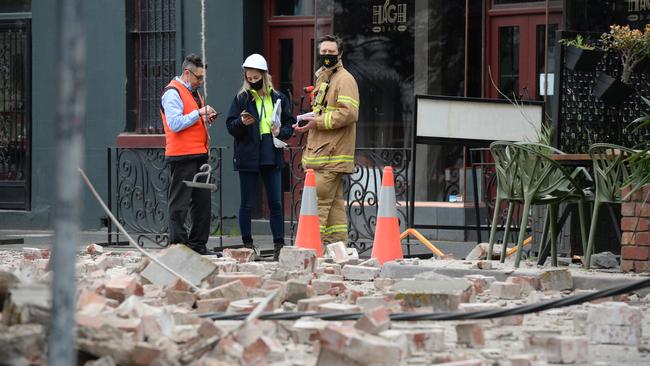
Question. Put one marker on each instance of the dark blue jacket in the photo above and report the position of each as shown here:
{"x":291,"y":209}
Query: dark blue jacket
{"x":247,"y":144}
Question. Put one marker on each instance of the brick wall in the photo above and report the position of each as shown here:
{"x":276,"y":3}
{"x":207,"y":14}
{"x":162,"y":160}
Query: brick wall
{"x":635,"y":228}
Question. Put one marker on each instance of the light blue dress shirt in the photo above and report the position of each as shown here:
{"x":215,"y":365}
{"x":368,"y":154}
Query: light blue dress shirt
{"x":173,"y":106}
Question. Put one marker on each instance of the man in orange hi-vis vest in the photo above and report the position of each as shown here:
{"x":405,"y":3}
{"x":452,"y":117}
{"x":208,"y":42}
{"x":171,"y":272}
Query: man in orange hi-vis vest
{"x":332,"y":137}
{"x":185,"y":119}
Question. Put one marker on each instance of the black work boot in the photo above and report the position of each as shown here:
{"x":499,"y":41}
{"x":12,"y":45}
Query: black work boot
{"x":247,"y":242}
{"x":277,"y":246}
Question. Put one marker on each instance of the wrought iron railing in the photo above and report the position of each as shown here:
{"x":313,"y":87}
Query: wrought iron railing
{"x":361,"y":191}
{"x":139,"y":196}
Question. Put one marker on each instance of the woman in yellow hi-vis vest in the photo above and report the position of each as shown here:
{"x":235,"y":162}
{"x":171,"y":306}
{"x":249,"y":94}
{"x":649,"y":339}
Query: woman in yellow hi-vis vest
{"x":255,"y":151}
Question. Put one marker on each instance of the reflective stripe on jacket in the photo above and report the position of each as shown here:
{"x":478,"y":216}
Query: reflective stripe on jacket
{"x":331,"y":145}
{"x":192,"y":140}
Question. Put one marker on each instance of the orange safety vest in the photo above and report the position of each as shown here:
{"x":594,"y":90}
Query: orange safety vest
{"x":192,"y":140}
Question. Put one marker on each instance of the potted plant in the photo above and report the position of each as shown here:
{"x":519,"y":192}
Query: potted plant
{"x":632,"y":46}
{"x":580,"y":54}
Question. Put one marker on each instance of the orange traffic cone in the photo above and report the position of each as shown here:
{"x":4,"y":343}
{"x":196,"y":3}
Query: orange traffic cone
{"x":308,"y":235}
{"x":387,"y":245}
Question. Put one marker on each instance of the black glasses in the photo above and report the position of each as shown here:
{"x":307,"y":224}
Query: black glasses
{"x":199,"y":78}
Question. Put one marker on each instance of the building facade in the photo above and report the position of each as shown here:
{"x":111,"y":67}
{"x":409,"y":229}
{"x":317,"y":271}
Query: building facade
{"x":395,"y":48}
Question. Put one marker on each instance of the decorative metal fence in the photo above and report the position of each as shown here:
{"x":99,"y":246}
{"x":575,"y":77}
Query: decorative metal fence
{"x":139,"y":196}
{"x":361,"y":191}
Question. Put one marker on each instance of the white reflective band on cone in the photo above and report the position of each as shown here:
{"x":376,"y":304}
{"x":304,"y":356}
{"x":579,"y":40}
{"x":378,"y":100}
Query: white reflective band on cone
{"x":309,"y":204}
{"x":387,"y":202}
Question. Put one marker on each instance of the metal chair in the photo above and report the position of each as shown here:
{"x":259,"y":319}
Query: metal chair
{"x":505,"y":161}
{"x":610,"y":173}
{"x":544,"y":181}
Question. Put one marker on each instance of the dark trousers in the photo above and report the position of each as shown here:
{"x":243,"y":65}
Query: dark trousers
{"x":272,"y":180}
{"x":183,"y":199}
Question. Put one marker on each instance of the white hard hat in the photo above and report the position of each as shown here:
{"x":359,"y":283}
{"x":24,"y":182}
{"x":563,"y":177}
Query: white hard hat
{"x":255,"y":61}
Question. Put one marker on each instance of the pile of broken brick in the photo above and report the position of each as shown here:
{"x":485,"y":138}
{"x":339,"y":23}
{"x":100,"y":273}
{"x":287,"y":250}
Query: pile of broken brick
{"x":130,"y":311}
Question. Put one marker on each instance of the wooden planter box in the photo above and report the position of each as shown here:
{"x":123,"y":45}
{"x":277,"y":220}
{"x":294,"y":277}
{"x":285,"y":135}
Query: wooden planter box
{"x":579,"y":59}
{"x":611,"y":90}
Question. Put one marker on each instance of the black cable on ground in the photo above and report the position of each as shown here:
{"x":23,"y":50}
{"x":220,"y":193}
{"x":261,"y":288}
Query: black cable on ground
{"x":455,"y":315}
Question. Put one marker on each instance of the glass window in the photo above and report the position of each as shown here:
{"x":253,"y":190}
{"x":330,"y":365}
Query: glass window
{"x":400,"y":48}
{"x":155,"y":59}
{"x":294,"y":8}
{"x":286,"y":66}
{"x":15,"y":6}
{"x":509,"y":60}
{"x":499,"y":2}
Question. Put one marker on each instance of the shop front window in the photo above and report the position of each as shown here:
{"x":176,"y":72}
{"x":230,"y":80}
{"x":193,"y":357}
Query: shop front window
{"x":399,"y":48}
{"x":293,"y":8}
{"x":15,"y":6}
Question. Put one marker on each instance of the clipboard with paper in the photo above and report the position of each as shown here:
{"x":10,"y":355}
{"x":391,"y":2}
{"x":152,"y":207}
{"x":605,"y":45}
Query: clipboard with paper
{"x":276,"y":123}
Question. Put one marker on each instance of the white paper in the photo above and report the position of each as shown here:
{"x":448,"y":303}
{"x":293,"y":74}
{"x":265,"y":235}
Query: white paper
{"x":276,"y":117}
{"x":549,"y":85}
{"x":308,"y":114}
{"x":279,"y":143}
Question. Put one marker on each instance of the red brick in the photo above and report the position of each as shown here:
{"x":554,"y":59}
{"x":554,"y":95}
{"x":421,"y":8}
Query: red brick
{"x":627,"y":238}
{"x":470,"y":334}
{"x":212,"y":305}
{"x":123,"y":286}
{"x":634,"y":252}
{"x":241,"y":255}
{"x":642,"y":239}
{"x":627,"y":265}
{"x":374,"y":320}
{"x":629,"y":223}
{"x":646,"y":190}
{"x":145,"y":353}
{"x":249,"y":280}
{"x":641,"y":266}
{"x":634,"y":197}
{"x":628,"y":209}
{"x":624,"y":192}
{"x":643,"y":209}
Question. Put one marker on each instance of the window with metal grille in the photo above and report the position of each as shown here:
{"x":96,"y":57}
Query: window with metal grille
{"x":154,"y":40}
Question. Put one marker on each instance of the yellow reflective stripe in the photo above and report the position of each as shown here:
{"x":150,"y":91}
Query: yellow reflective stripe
{"x":334,"y":229}
{"x":327,"y":121}
{"x":328,"y":108}
{"x":348,"y":100}
{"x":329,"y":159}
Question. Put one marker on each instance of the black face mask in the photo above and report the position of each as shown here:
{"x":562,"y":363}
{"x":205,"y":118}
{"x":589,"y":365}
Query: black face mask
{"x":329,"y":60}
{"x":257,"y":85}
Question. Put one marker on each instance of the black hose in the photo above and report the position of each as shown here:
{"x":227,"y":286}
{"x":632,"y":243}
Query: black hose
{"x":450,"y":315}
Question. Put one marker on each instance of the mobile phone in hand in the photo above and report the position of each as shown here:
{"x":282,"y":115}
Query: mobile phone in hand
{"x":302,"y":122}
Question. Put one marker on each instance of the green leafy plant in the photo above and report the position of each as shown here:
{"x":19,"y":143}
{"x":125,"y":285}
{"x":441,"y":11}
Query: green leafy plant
{"x":633,"y":45}
{"x":640,"y":161}
{"x":578,"y":42}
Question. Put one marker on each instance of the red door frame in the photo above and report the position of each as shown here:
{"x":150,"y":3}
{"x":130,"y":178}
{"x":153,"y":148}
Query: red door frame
{"x":295,"y":27}
{"x":527,"y":16}
{"x":301,"y":30}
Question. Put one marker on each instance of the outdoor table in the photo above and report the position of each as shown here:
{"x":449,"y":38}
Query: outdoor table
{"x":572,"y":160}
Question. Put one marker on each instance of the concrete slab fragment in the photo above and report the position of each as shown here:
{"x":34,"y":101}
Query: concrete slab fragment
{"x":183,"y":260}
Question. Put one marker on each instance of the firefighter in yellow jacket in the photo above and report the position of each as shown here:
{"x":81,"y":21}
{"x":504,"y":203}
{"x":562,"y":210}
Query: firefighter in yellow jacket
{"x":331,"y":139}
